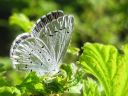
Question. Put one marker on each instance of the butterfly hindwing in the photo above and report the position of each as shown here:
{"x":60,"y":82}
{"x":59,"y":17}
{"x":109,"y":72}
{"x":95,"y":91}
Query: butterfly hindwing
{"x":31,"y":54}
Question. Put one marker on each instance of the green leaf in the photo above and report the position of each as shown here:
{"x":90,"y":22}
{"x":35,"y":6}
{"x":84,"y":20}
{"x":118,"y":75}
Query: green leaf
{"x":22,"y":21}
{"x":5,"y":63}
{"x":31,"y":85}
{"x":73,"y":50}
{"x":108,"y":65}
{"x":91,"y":88}
{"x":9,"y":91}
{"x":68,"y":69}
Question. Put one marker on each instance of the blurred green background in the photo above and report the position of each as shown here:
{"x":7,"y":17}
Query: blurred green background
{"x":103,"y":21}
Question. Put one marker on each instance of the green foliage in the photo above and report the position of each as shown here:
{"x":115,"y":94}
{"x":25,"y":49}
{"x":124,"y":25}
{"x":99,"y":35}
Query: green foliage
{"x":103,"y":21}
{"x":22,"y":21}
{"x":100,"y":71}
{"x":4,"y":63}
{"x":108,"y":65}
{"x":9,"y":91}
{"x":73,"y":50}
{"x":31,"y":85}
{"x":92,"y":88}
{"x":60,"y":83}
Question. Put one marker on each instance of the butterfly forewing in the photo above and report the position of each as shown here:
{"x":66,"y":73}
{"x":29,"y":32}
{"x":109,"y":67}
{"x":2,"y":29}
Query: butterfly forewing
{"x":44,"y":20}
{"x":56,"y":35}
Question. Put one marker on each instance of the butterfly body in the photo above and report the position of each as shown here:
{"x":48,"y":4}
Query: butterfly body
{"x":43,"y":49}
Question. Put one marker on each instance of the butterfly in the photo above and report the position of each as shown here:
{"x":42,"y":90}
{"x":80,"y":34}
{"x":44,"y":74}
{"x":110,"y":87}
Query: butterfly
{"x":42,"y":50}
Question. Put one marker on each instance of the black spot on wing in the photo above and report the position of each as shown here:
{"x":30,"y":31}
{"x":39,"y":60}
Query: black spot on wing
{"x":42,"y":47}
{"x":12,"y":53}
{"x":61,"y":28}
{"x":25,"y":36}
{"x":55,"y":31}
{"x":48,"y":59}
{"x":51,"y":35}
{"x":18,"y":41}
{"x":14,"y":47}
{"x":26,"y":66}
{"x":38,"y":25}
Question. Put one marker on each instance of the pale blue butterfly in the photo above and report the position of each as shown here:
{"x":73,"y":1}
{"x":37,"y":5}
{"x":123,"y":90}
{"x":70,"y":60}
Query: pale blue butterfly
{"x":43,"y":49}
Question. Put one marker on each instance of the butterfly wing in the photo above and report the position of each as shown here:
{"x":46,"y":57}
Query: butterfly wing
{"x":56,"y":33}
{"x":31,"y":54}
{"x":42,"y":50}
